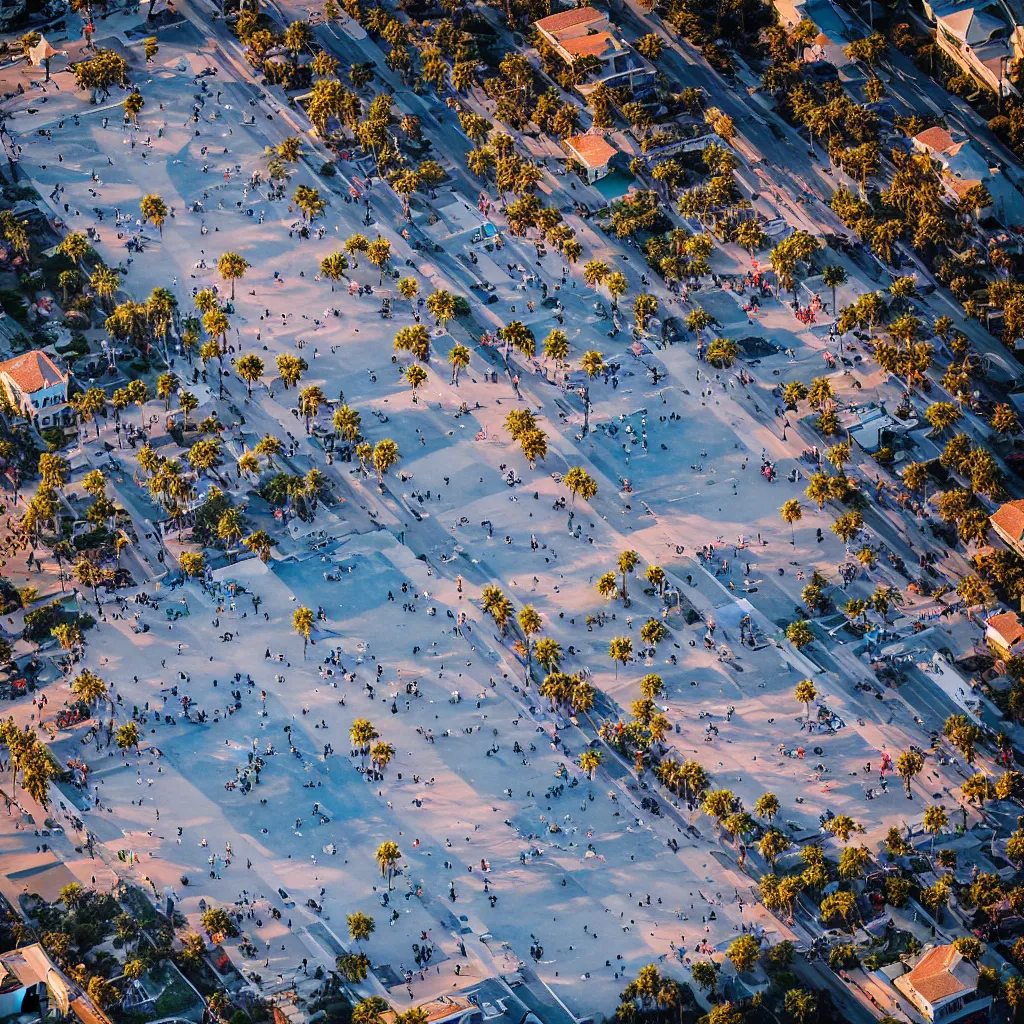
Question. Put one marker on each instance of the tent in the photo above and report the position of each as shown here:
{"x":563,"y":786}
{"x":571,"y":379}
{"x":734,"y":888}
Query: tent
{"x":41,"y":51}
{"x":41,"y":54}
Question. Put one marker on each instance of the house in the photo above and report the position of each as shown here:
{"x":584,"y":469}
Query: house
{"x":594,"y":152}
{"x":943,"y":986}
{"x":979,"y":38}
{"x":1005,"y":633}
{"x":963,"y":166}
{"x":1008,"y":523}
{"x":38,"y":389}
{"x":585,"y":32}
{"x":31,"y":983}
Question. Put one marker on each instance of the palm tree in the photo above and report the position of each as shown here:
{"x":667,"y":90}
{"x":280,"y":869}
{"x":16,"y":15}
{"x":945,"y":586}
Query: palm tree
{"x":302,"y":623}
{"x":530,"y":624}
{"x":385,"y":455}
{"x":333,"y":267}
{"x":459,"y":358}
{"x":832,"y":277}
{"x":792,"y":512}
{"x":620,"y":650}
{"x":909,"y":764}
{"x":805,"y":692}
{"x":387,"y":856}
{"x":250,"y":369}
{"x":89,"y":687}
{"x":154,"y":210}
{"x":627,"y":563}
{"x":128,"y":735}
{"x":310,"y":400}
{"x":935,"y":821}
{"x":232,"y":267}
{"x":260,"y":544}
{"x":767,"y":806}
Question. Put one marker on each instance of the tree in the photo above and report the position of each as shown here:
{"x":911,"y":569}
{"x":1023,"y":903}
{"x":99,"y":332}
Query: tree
{"x":232,"y":267}
{"x":853,"y":861}
{"x":530,"y":624}
{"x":839,"y":904}
{"x":360,"y":926}
{"x":744,"y":952}
{"x":805,"y":692}
{"x":378,"y":252}
{"x":644,"y":307}
{"x":154,"y":210}
{"x":626,"y":564}
{"x":459,"y":358}
{"x":347,"y":422}
{"x":963,"y":734}
{"x":792,"y":512}
{"x":909,"y":764}
{"x":977,"y":789}
{"x":620,"y":650}
{"x":416,"y":376}
{"x":250,"y":369}
{"x":579,"y":481}
{"x":842,"y":826}
{"x":767,"y":806}
{"x":259,"y":543}
{"x":722,"y":353}
{"x":192,"y":563}
{"x":772,"y":845}
{"x":799,"y":633}
{"x":54,"y":470}
{"x":387,"y":856}
{"x":128,"y":735}
{"x":800,"y":1005}
{"x":832,"y":277}
{"x":935,"y":821}
{"x":310,"y":203}
{"x":705,"y":974}
{"x":302,"y":623}
{"x":941,"y":416}
{"x":353,"y":967}
{"x":385,"y":455}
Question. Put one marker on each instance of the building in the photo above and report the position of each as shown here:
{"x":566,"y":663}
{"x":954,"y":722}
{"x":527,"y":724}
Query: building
{"x":38,"y":389}
{"x":943,"y":986}
{"x":32,"y":984}
{"x":444,"y":1010}
{"x":1005,"y":633}
{"x":1008,"y":523}
{"x":980,"y":39}
{"x":963,"y":166}
{"x":585,"y":32}
{"x":594,"y":152}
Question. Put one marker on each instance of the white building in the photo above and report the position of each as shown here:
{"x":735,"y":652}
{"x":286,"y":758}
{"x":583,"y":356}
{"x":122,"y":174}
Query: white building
{"x":584,"y":32}
{"x":594,"y":152}
{"x":981,"y":38}
{"x":964,"y":165}
{"x":943,"y":986}
{"x":38,"y":389}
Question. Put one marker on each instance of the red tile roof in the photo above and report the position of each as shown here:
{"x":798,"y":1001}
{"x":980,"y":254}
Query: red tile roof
{"x":32,"y":372}
{"x":592,"y":150}
{"x":933,"y":975}
{"x":570,"y":19}
{"x":1008,"y":626}
{"x":1010,"y":519}
{"x":935,"y":138}
{"x":588,"y":46}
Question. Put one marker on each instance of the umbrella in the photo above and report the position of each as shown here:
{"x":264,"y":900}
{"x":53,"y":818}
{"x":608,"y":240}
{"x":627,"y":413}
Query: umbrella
{"x":41,"y":51}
